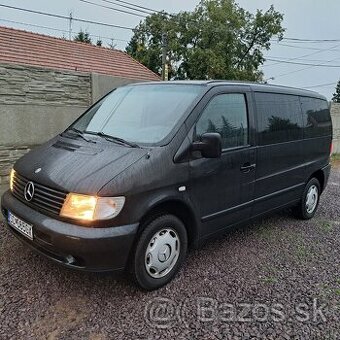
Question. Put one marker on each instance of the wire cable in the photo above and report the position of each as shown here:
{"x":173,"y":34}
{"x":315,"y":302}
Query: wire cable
{"x":311,"y":40}
{"x":57,"y":29}
{"x":305,"y":55}
{"x":66,"y":17}
{"x":320,"y":85}
{"x":298,"y":63}
{"x":301,"y":48}
{"x":129,"y":7}
{"x":299,"y":70}
{"x":137,"y":6}
{"x":113,"y":9}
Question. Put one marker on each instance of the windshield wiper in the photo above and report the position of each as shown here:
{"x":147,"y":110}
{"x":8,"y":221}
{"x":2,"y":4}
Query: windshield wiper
{"x":114,"y":139}
{"x":81,"y":134}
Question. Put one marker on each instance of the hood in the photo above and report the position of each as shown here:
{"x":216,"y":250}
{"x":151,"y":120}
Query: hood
{"x":74,"y":165}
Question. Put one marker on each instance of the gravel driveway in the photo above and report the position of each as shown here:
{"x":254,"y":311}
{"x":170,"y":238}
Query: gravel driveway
{"x":278,"y":278}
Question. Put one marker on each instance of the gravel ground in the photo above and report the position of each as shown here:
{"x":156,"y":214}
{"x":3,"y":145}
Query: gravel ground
{"x":278,"y":278}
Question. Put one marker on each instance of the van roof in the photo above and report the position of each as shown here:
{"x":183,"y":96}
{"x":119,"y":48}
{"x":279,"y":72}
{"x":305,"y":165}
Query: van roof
{"x":257,"y":87}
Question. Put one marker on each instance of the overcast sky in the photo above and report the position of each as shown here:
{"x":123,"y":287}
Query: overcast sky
{"x":305,"y":19}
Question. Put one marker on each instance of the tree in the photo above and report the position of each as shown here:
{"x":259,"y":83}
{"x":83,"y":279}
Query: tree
{"x":99,"y":42}
{"x":336,"y":95}
{"x":83,"y":37}
{"x":218,"y":40}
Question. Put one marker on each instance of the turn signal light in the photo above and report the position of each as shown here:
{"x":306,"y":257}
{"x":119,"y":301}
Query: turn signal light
{"x":91,"y":208}
{"x":11,"y":179}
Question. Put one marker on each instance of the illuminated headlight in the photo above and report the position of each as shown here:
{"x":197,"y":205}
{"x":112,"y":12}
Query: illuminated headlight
{"x":11,"y":179}
{"x":91,"y":208}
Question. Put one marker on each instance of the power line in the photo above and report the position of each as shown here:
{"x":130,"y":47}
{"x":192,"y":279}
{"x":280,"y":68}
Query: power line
{"x":311,"y":40}
{"x":300,"y":70}
{"x":112,"y":8}
{"x":298,"y":63}
{"x":320,"y":85}
{"x":300,"y":47}
{"x":130,"y":3}
{"x":295,"y":58}
{"x":305,"y":41}
{"x":66,"y":17}
{"x":56,"y":29}
{"x":34,"y":25}
{"x":129,"y":7}
{"x":305,"y":55}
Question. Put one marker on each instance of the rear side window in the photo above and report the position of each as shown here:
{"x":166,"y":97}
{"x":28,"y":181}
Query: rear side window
{"x":226,"y":114}
{"x":279,"y":118}
{"x":316,"y":117}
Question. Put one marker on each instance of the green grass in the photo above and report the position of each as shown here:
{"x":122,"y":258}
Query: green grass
{"x":328,"y":290}
{"x":270,"y":274}
{"x":269,"y":279}
{"x":335,"y":157}
{"x":326,"y":226}
{"x":302,"y":252}
{"x":266,"y":231}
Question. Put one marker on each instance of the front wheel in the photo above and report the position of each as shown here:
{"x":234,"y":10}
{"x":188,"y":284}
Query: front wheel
{"x":160,"y":252}
{"x":310,"y":200}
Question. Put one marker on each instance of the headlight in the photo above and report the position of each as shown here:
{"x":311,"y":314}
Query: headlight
{"x":11,"y":179}
{"x":91,"y":208}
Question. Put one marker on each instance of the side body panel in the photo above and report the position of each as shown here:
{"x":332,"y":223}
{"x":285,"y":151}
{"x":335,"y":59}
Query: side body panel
{"x":280,"y":171}
{"x":317,"y":133}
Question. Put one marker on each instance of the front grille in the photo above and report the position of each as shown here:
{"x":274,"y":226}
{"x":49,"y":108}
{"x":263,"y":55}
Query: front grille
{"x":44,"y":198}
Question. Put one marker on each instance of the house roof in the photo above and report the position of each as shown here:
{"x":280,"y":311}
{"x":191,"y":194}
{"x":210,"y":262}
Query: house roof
{"x":27,"y":48}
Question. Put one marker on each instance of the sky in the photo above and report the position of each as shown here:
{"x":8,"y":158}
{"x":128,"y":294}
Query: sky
{"x":303,"y":19}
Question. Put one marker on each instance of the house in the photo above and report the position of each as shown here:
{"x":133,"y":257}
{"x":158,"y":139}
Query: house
{"x":47,"y":82}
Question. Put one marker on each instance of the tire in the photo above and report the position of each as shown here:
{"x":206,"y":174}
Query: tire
{"x":160,"y":251}
{"x":312,"y":191}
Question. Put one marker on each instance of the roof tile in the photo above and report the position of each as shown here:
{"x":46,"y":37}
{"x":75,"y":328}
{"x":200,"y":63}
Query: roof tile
{"x":27,"y":48}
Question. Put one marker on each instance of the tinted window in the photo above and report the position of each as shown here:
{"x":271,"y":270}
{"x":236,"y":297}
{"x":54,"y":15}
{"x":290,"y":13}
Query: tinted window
{"x":142,"y":114}
{"x":316,"y":117}
{"x":227,"y":115}
{"x":279,"y":118}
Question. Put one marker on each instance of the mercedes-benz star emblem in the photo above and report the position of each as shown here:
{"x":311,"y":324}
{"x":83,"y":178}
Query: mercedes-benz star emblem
{"x":29,"y":191}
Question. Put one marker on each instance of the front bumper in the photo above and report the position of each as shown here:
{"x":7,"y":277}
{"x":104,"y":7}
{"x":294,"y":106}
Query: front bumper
{"x":91,"y":249}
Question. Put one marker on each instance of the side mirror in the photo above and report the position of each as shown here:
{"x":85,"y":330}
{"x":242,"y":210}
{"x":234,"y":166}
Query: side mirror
{"x":210,"y":145}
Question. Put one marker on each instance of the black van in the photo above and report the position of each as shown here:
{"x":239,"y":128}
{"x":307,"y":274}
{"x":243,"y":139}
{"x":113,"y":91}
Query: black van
{"x":153,"y":168}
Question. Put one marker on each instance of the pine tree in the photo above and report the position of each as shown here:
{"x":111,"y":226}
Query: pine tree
{"x":336,"y":95}
{"x":83,"y":37}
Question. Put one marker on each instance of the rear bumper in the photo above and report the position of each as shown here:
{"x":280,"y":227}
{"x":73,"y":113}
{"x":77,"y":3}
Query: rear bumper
{"x":326,"y":172}
{"x":90,"y":249}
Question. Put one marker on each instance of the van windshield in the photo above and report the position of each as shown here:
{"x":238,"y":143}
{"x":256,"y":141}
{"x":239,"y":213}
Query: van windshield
{"x":142,"y":114}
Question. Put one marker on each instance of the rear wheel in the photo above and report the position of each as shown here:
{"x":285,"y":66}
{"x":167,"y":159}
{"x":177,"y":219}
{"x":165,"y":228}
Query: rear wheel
{"x":160,"y":251}
{"x":310,"y":200}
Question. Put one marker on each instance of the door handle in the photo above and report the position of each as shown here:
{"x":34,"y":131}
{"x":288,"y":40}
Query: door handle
{"x":247,"y":167}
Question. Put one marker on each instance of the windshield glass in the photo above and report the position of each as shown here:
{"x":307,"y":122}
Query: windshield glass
{"x":143,"y":114}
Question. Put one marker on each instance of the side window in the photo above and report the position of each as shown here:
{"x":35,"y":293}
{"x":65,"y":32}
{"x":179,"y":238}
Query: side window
{"x":279,"y":118}
{"x":227,"y":115}
{"x":316,"y":117}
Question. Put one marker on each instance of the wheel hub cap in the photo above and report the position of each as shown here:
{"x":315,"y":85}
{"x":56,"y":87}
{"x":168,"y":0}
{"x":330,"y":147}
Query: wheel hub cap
{"x":162,"y":253}
{"x":312,"y":199}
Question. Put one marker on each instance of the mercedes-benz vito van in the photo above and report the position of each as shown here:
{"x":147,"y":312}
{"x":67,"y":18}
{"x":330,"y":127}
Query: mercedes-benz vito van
{"x":154,"y":168}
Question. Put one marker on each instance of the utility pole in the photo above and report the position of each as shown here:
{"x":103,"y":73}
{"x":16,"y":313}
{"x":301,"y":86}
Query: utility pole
{"x":164,"y":53}
{"x":70,"y":27}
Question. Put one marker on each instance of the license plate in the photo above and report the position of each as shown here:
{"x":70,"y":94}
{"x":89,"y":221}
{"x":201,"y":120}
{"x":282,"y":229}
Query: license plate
{"x":21,"y":226}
